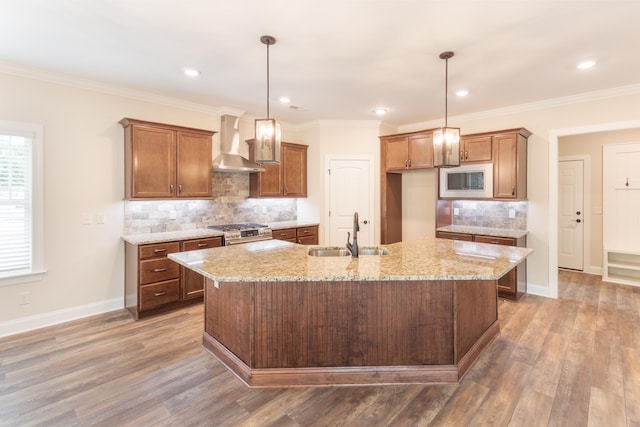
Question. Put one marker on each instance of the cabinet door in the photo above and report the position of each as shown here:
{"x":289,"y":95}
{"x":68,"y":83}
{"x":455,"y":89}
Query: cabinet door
{"x":294,"y":170}
{"x":475,"y":149}
{"x":396,"y":153}
{"x":153,"y":155}
{"x":194,"y":165}
{"x":192,"y":282}
{"x":507,"y":283}
{"x":308,"y":235}
{"x":421,"y":151}
{"x":505,"y":167}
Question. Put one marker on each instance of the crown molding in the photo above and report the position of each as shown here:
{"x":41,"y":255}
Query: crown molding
{"x":531,"y":106}
{"x":110,"y":89}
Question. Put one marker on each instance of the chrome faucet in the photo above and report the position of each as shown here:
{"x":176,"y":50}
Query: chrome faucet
{"x":353,"y":248}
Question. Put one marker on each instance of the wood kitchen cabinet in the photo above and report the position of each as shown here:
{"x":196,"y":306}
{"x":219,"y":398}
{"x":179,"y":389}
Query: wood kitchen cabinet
{"x":166,"y":162}
{"x":155,"y":284}
{"x":192,"y":282}
{"x":407,"y":151}
{"x":303,"y":235}
{"x":513,"y":284}
{"x":287,"y":179}
{"x":510,"y":165}
{"x":475,"y":149}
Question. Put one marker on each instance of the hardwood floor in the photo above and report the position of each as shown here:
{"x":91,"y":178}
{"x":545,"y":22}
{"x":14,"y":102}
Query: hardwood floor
{"x":574,"y":361}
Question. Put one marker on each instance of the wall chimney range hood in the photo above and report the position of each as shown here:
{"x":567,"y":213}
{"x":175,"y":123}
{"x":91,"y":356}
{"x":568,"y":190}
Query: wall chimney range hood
{"x":230,"y":159}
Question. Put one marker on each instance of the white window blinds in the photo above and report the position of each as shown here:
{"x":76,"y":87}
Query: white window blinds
{"x":20,"y":201}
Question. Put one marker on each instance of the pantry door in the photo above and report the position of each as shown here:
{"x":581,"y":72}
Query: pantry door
{"x":349,"y":184}
{"x":571,"y":214}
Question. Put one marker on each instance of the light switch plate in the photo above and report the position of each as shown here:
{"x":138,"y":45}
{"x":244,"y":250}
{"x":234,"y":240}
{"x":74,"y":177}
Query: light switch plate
{"x":512,"y":213}
{"x":456,"y":211}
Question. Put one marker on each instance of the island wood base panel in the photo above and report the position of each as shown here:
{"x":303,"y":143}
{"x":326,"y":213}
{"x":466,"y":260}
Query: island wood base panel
{"x":349,"y":332}
{"x":361,"y":375}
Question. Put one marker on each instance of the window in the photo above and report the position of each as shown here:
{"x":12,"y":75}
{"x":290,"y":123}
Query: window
{"x":21,"y":245}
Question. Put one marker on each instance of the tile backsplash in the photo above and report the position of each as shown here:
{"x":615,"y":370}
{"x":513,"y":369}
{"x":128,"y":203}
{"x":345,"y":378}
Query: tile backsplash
{"x":492,"y":214}
{"x":230,"y":204}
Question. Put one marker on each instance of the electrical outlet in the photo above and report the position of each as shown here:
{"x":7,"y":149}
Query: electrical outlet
{"x":264,"y":209}
{"x":173,"y":215}
{"x":23,"y":298}
{"x":456,"y":211}
{"x":512,"y":213}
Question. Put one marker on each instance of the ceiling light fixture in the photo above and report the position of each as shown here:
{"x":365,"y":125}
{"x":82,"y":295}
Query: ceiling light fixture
{"x":446,"y":140}
{"x":191,"y":72}
{"x":462,"y":92}
{"x":285,"y":99}
{"x":380,"y":111}
{"x":267,"y":146}
{"x":586,"y":64}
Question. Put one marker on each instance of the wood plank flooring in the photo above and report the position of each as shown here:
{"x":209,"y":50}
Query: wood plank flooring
{"x":574,"y":361}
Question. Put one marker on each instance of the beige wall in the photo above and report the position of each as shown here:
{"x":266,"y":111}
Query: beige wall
{"x":591,"y":145}
{"x":83,"y":173}
{"x":544,"y":119}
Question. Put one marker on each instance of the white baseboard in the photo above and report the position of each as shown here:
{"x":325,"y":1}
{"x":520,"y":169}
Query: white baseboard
{"x":542,"y":291}
{"x":30,"y":323}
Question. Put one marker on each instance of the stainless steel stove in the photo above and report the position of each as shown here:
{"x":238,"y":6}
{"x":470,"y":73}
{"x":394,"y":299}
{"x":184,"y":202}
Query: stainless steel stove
{"x":244,"y":232}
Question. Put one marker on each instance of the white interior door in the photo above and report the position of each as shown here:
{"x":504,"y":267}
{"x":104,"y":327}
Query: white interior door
{"x":349,"y":190}
{"x":571,"y":214}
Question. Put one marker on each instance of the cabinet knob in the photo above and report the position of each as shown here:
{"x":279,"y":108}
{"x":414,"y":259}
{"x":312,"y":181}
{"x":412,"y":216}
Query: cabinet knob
{"x":179,"y":188}
{"x":171,"y":188}
{"x":513,"y":191}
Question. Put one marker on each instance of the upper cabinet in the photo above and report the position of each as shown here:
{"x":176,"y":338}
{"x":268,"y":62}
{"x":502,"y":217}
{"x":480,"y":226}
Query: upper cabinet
{"x":165,"y":161}
{"x":510,"y":164}
{"x":475,"y":149}
{"x":287,"y":179}
{"x":407,"y":151}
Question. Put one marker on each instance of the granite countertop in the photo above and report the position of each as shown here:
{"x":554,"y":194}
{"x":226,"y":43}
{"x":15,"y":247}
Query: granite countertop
{"x":484,"y":231}
{"x":421,"y":259}
{"x":170,"y":236}
{"x":290,"y":224}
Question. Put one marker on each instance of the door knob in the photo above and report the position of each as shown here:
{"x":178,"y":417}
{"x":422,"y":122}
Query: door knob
{"x":578,"y":220}
{"x":578,"y":213}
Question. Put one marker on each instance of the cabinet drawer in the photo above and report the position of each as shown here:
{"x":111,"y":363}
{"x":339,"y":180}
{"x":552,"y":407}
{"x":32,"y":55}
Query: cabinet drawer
{"x":159,"y":294}
{"x":191,"y":245}
{"x":308,"y":240}
{"x":495,"y":240}
{"x":307,"y":231}
{"x":287,"y":233}
{"x":454,"y":236}
{"x":157,"y":270}
{"x":159,"y":250}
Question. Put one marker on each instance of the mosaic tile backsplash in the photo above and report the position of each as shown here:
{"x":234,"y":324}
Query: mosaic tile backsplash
{"x":490,"y":214}
{"x":230,"y":204}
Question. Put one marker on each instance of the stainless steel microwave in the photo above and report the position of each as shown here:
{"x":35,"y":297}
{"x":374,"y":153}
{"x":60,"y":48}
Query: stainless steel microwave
{"x":467,"y":181}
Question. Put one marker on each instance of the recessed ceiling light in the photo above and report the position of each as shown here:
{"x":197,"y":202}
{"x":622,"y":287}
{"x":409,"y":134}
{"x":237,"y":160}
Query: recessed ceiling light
{"x":462,"y":92}
{"x":191,"y":72}
{"x":285,"y":99}
{"x":380,"y":111}
{"x":586,"y":64}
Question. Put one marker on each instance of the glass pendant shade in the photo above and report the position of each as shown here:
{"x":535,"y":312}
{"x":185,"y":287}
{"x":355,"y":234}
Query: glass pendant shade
{"x":446,"y":147}
{"x":267,"y":146}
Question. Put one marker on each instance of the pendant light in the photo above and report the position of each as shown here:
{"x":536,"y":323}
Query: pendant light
{"x":446,"y":140}
{"x":267,"y":145}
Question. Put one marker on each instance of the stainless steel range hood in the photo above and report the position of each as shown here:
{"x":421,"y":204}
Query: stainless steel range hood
{"x":230,"y":159}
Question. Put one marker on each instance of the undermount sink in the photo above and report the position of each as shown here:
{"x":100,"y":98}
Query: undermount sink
{"x":335,"y":251}
{"x":372,"y":251}
{"x":328,"y":252}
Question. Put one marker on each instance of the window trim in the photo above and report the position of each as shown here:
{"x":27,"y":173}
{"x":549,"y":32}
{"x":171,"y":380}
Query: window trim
{"x":37,"y":243}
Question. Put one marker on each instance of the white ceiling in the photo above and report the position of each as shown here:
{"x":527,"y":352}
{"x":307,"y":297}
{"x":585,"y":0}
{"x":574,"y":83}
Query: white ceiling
{"x":335,"y":59}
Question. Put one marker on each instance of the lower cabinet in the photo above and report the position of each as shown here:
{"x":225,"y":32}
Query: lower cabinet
{"x":155,"y":284}
{"x":302,"y":235}
{"x":513,"y":284}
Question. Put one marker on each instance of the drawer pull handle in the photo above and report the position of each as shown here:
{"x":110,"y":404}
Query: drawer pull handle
{"x":159,"y":294}
{"x":159,"y":270}
{"x":202,"y":245}
{"x":306,"y":232}
{"x":195,"y":292}
{"x":283,"y":234}
{"x":159,"y":250}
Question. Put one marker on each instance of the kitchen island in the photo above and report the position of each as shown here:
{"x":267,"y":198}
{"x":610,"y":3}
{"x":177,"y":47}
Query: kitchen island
{"x":276,"y":316}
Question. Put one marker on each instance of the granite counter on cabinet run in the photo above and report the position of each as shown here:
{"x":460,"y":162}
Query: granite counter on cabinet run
{"x":279,"y":317}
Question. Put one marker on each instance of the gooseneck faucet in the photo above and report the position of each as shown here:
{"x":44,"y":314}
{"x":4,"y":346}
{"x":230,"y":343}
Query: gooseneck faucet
{"x":353,"y":248}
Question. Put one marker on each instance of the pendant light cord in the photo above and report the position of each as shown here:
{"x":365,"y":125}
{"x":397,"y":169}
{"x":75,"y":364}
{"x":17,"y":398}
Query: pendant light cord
{"x":446,"y":89}
{"x":268,"y":80}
